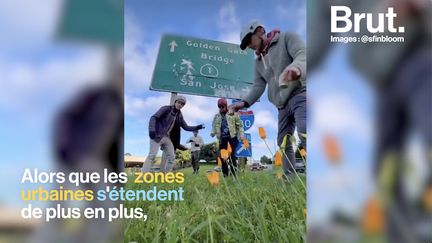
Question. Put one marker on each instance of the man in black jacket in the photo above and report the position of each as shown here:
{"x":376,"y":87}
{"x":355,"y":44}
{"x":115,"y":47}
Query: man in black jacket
{"x":167,"y":120}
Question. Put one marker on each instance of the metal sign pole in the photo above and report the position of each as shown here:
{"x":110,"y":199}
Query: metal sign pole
{"x":173,"y":98}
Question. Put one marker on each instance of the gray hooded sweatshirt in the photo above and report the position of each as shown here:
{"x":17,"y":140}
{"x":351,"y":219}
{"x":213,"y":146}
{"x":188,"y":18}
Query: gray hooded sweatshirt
{"x":285,"y":49}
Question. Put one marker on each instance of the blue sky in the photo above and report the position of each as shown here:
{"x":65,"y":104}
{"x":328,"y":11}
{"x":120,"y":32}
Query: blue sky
{"x":341,"y":104}
{"x":146,"y":22}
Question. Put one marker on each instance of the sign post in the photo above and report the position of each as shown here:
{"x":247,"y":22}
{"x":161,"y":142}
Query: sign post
{"x":202,"y":67}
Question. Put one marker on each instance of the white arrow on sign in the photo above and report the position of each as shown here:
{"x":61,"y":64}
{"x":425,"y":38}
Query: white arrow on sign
{"x":173,"y":45}
{"x":241,"y":149}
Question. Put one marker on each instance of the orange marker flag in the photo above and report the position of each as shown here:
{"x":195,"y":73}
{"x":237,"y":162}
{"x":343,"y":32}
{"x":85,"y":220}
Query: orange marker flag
{"x":219,"y":162}
{"x":246,"y":143}
{"x":427,"y":199}
{"x":279,"y":175}
{"x":213,"y":178}
{"x":262,"y":132}
{"x":224,"y":154}
{"x":332,"y":149}
{"x":303,"y":152}
{"x":229,"y":149}
{"x":278,"y":158}
{"x":373,"y":217}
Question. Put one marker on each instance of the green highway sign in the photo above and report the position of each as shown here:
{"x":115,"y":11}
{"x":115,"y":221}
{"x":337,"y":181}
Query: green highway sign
{"x":101,"y":21}
{"x":202,"y":67}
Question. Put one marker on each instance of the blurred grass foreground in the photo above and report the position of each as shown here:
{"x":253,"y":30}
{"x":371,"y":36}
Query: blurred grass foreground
{"x":257,"y":207}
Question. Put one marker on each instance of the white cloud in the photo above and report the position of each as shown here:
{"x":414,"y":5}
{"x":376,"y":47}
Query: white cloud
{"x":198,"y":109}
{"x":137,"y":141}
{"x":261,"y":145}
{"x":293,"y":12}
{"x":228,"y":24}
{"x":227,"y":16}
{"x":26,"y":24}
{"x":140,"y":57}
{"x":333,"y":179}
{"x":339,"y":114}
{"x":341,"y":187}
{"x":137,"y":107}
{"x":231,"y":37}
{"x":23,"y":82}
{"x":264,"y":118}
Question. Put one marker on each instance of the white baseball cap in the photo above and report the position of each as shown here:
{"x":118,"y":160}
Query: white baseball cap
{"x":247,"y":32}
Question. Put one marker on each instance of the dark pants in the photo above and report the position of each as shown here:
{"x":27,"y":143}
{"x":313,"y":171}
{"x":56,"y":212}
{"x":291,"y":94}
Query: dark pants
{"x":195,"y":160}
{"x":404,"y":107}
{"x":291,"y":116}
{"x":233,"y":159}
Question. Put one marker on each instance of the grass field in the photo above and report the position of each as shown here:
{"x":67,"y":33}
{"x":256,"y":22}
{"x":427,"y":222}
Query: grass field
{"x":257,"y":207}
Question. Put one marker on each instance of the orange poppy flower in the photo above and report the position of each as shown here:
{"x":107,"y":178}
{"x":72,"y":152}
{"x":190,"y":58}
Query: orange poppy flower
{"x":224,"y":154}
{"x":373,"y":217}
{"x":219,"y":162}
{"x":279,"y":174}
{"x":213,"y":178}
{"x":262,"y":132}
{"x":229,"y":149}
{"x":303,"y":152}
{"x":332,"y":149}
{"x":278,"y":158}
{"x":246,"y":143}
{"x":427,"y":199}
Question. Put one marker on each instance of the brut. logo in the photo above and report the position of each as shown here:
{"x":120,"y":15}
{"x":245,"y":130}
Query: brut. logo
{"x":342,"y":14}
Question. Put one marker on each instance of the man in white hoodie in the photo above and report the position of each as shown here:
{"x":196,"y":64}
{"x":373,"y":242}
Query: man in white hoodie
{"x":280,"y":64}
{"x":196,"y":142}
